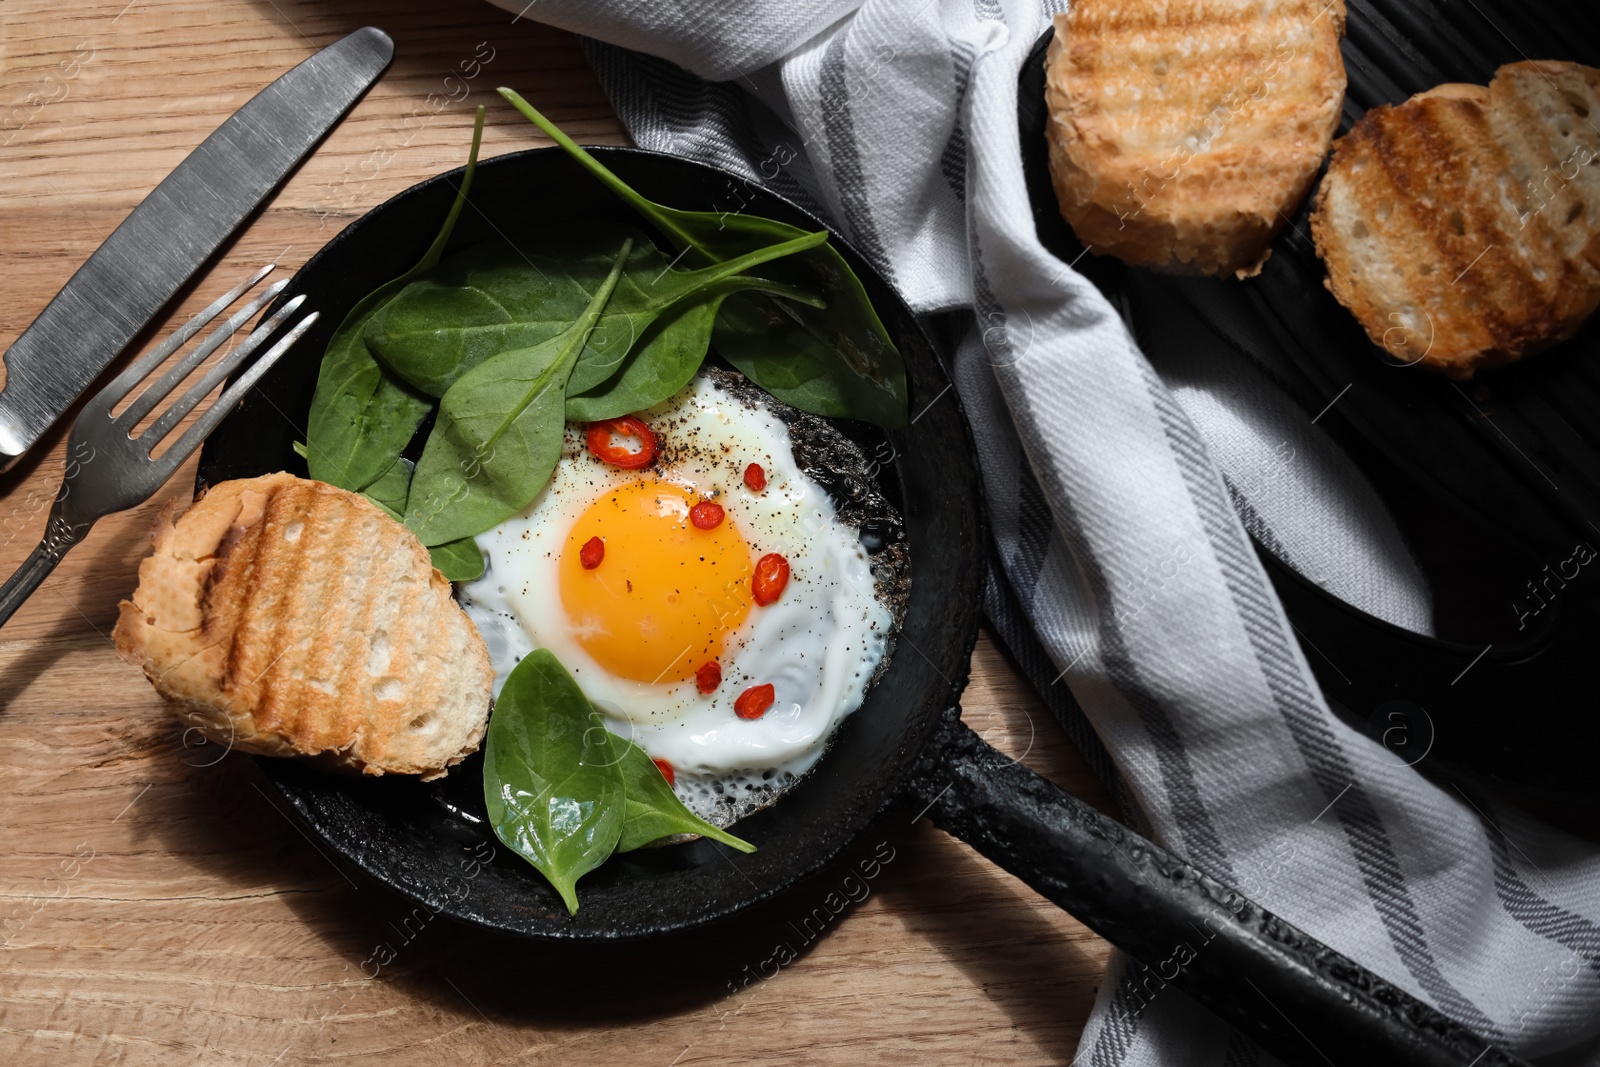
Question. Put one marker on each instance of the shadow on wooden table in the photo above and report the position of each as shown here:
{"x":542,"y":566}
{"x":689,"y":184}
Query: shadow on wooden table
{"x":77,"y":606}
{"x":228,"y":825}
{"x":1032,"y":960}
{"x":1016,"y":952}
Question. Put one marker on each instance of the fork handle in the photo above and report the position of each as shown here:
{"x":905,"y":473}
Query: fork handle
{"x":59,"y":536}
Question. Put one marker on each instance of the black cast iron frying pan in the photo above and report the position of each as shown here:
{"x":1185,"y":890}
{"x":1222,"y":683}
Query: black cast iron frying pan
{"x":906,"y":741}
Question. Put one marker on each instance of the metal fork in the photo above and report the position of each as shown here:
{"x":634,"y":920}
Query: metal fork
{"x":110,"y":470}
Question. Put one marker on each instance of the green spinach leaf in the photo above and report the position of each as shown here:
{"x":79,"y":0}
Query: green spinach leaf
{"x":361,"y":417}
{"x":551,"y":780}
{"x":391,"y":487}
{"x":844,"y":340}
{"x":494,"y":297}
{"x":499,"y":432}
{"x":664,"y":358}
{"x":653,"y":809}
{"x":459,"y":561}
{"x":782,"y":355}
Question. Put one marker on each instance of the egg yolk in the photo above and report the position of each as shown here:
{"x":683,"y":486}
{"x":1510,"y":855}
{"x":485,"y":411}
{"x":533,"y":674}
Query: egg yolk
{"x":665,"y":594}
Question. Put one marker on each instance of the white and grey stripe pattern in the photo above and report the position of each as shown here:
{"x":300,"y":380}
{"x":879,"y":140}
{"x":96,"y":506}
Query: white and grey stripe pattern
{"x":1124,"y":579}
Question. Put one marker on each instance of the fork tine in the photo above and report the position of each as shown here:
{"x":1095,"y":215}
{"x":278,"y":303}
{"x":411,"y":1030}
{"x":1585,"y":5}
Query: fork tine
{"x":157,"y":391}
{"x":140,"y":369}
{"x":224,"y":367}
{"x":172,"y":457}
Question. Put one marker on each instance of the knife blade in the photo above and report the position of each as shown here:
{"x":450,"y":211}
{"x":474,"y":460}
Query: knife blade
{"x":173,"y":231}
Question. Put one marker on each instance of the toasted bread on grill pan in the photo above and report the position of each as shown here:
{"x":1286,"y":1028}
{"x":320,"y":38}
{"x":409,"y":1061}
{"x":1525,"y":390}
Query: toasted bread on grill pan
{"x":1462,"y":227}
{"x":1184,"y":134}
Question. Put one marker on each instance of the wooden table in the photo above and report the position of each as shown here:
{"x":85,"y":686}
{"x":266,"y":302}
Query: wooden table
{"x":163,"y":910}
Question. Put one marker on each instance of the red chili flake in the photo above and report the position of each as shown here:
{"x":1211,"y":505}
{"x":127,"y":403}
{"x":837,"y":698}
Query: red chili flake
{"x":772,"y":574}
{"x":666,"y":771}
{"x":755,"y":479}
{"x":599,"y":440}
{"x":706,"y":515}
{"x":754,"y":702}
{"x":708,"y":677}
{"x":592,"y":552}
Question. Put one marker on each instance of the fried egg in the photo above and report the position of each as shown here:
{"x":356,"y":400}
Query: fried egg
{"x":638,"y":619}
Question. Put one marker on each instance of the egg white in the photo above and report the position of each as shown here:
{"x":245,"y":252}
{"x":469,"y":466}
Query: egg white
{"x":818,"y":645}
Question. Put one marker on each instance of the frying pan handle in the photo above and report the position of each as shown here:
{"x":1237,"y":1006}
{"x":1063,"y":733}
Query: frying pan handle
{"x":1297,"y":997}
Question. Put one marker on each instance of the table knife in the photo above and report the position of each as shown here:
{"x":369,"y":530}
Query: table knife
{"x":173,"y":231}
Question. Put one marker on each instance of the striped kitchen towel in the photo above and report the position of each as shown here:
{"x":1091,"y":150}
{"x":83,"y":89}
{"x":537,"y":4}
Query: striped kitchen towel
{"x":1120,"y":493}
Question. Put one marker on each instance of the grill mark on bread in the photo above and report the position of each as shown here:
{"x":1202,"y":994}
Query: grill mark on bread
{"x":1440,"y":148}
{"x":238,"y":571}
{"x":1414,"y":180}
{"x":296,"y":630}
{"x":311,"y":602}
{"x":1137,"y":22}
{"x":1498,"y":291}
{"x":256,"y":632}
{"x":264,"y":639}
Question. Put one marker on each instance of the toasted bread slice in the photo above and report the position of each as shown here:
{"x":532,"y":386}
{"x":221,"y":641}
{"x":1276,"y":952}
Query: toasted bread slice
{"x":1184,"y":134}
{"x":287,"y":617}
{"x":1462,"y":227}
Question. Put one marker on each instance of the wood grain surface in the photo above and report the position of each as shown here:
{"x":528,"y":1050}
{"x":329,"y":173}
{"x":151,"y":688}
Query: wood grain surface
{"x":159,"y":906}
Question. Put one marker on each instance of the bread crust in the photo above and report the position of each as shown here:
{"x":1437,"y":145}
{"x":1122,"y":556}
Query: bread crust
{"x":1462,"y":226}
{"x":287,"y":617}
{"x":1183,"y":135}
